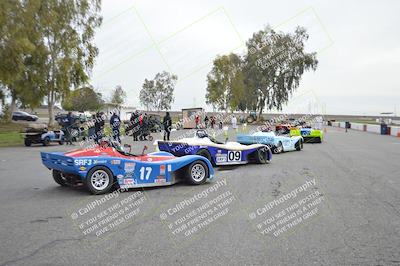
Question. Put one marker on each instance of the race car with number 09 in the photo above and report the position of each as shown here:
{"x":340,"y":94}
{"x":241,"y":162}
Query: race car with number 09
{"x":218,"y":153}
{"x":109,"y":166}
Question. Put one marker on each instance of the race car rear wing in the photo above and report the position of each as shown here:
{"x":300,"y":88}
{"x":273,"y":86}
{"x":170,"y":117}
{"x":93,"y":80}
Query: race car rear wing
{"x":58,"y":161}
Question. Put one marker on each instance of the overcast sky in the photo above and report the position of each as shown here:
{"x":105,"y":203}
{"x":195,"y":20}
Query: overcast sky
{"x":358,"y":46}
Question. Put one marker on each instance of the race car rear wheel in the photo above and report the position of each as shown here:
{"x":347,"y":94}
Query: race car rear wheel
{"x":99,"y":180}
{"x":278,"y":148}
{"x":27,"y":142}
{"x":262,"y":155}
{"x":206,"y":154}
{"x":197,"y":172}
{"x":58,"y":177}
{"x":299,"y":145}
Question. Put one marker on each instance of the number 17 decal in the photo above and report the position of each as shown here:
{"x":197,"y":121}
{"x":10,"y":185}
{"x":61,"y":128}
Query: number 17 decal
{"x":145,"y":173}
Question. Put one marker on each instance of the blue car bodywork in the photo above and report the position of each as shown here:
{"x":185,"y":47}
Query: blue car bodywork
{"x":278,"y":143}
{"x":150,"y":170}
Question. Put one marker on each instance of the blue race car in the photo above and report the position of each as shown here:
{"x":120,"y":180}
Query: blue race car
{"x":217,"y":153}
{"x":108,"y":165}
{"x":276,"y":142}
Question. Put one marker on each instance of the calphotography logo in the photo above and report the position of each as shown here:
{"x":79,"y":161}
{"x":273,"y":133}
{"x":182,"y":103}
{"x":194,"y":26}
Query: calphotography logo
{"x":289,"y":211}
{"x":193,"y":216}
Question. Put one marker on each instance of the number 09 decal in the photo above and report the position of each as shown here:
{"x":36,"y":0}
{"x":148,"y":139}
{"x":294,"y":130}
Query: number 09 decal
{"x":234,"y":156}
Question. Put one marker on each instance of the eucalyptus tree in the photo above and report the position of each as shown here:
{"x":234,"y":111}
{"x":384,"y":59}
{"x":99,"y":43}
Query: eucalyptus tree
{"x":274,"y":65}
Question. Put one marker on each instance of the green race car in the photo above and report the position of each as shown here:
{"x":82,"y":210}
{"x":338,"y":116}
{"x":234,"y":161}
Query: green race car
{"x":309,"y":135}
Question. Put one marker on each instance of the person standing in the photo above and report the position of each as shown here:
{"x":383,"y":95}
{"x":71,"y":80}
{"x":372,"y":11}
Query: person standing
{"x":234,"y":122}
{"x":68,"y":128}
{"x":92,"y":131}
{"x":212,"y":121}
{"x":115,"y":123}
{"x":135,"y":125}
{"x":197,"y":121}
{"x":98,"y":127}
{"x":167,"y":122}
{"x":206,"y":121}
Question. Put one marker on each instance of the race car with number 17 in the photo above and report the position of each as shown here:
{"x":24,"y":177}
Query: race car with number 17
{"x":108,"y":165}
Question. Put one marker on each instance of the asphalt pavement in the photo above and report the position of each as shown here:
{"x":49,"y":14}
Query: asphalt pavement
{"x":335,"y":203}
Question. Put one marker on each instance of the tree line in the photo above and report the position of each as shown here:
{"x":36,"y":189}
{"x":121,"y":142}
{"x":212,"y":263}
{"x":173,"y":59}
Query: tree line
{"x":46,"y":49}
{"x":265,"y":76}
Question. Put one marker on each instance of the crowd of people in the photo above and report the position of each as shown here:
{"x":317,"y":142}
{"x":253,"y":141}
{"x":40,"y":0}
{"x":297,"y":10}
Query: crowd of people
{"x":207,"y":122}
{"x":139,"y":126}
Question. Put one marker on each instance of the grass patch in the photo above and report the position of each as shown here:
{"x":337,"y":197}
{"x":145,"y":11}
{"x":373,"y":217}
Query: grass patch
{"x":10,"y":134}
{"x":11,"y":139}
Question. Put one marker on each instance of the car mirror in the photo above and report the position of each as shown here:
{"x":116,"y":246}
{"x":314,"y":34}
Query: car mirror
{"x":127,"y":148}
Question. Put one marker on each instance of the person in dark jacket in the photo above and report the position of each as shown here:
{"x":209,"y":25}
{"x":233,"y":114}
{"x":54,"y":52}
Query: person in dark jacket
{"x":206,"y":121}
{"x":98,"y":127}
{"x":69,"y":121}
{"x":167,"y":122}
{"x":91,"y":130}
{"x":134,"y":123}
{"x":115,"y":123}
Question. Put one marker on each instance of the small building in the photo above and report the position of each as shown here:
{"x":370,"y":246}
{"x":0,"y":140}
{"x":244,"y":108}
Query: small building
{"x":188,"y":117}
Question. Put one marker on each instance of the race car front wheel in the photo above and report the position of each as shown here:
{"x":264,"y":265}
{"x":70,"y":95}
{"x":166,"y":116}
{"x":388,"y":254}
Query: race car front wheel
{"x":299,"y":145}
{"x":197,"y":172}
{"x":58,"y":177}
{"x":262,"y":155}
{"x":99,"y":180}
{"x":278,"y":148}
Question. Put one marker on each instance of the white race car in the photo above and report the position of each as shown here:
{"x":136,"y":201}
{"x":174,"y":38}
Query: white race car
{"x":217,"y":153}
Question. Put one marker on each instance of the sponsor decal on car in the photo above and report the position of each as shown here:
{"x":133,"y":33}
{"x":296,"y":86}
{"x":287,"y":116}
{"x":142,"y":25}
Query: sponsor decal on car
{"x":162,"y":169}
{"x":129,"y":181}
{"x":80,"y":162}
{"x":160,"y":179}
{"x":99,"y":161}
{"x":129,"y":167}
{"x":221,"y":158}
{"x":82,"y":168}
{"x":115,"y":161}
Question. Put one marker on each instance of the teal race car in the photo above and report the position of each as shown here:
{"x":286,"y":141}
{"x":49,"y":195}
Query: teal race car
{"x":277,"y":143}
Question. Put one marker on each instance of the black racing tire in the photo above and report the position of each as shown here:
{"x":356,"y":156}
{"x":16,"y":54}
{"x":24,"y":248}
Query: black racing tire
{"x":99,"y":180}
{"x":278,"y":149}
{"x":61,"y":142}
{"x":206,"y":154}
{"x":262,"y":156}
{"x":150,"y":138}
{"x":46,"y":141}
{"x":27,"y":142}
{"x":299,"y":145}
{"x":197,"y":172}
{"x":57,"y":176}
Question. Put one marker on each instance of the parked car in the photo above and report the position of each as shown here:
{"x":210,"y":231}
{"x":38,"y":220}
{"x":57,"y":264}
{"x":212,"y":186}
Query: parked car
{"x":42,"y":136}
{"x":24,"y":116}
